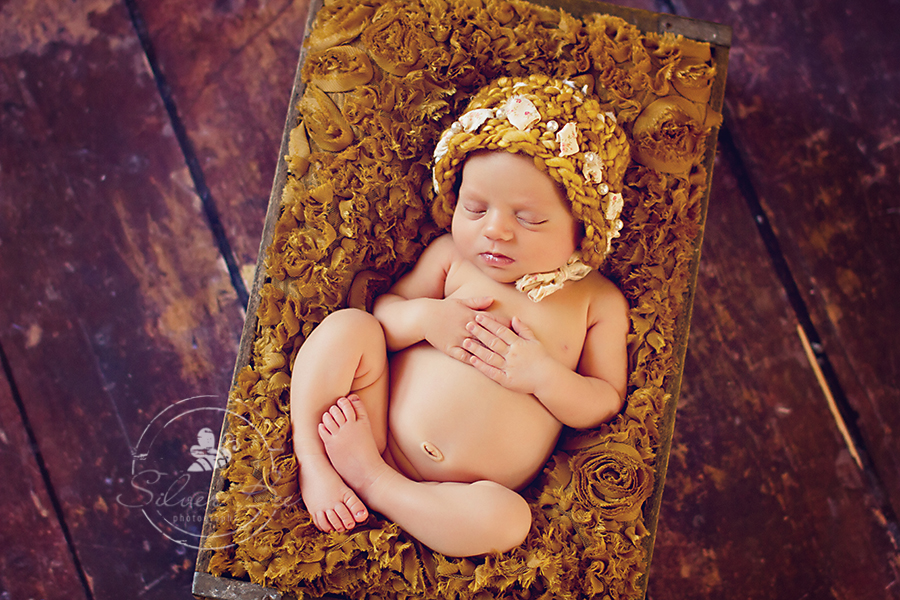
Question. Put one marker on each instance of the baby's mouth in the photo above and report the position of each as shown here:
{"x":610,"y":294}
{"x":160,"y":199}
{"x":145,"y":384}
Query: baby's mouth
{"x":495,"y":259}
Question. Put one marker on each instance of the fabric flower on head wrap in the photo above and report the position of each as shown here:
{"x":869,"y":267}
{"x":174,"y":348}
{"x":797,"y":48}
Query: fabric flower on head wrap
{"x":568,"y":135}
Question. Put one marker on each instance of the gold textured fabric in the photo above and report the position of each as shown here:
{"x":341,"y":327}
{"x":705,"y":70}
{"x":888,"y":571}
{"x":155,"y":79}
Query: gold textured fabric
{"x":357,"y":210}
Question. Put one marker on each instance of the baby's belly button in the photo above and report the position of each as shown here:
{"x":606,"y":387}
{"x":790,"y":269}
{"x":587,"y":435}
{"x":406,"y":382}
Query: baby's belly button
{"x":432,"y":452}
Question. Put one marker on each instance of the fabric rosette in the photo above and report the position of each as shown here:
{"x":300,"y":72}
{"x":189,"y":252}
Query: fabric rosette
{"x":338,"y":69}
{"x":669,"y":135}
{"x":694,"y":74}
{"x":337,"y":23}
{"x":324,"y":121}
{"x":395,"y":41}
{"x":613,"y":479}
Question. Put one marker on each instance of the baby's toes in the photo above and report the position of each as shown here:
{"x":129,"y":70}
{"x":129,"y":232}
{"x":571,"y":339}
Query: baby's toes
{"x":337,"y":413}
{"x":334,"y":520}
{"x":328,"y":423}
{"x":320,"y":520}
{"x":344,"y":517}
{"x":357,"y":408}
{"x":357,"y":509}
{"x":326,"y":431}
{"x":346,"y":409}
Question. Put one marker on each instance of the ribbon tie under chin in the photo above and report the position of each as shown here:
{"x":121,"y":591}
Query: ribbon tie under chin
{"x":540,"y":285}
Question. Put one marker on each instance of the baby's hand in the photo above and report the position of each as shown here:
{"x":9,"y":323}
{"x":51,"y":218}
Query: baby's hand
{"x":445,"y":326}
{"x":511,"y":357}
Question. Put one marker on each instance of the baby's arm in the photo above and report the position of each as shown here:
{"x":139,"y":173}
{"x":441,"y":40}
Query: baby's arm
{"x":582,"y":399}
{"x":415,"y":309}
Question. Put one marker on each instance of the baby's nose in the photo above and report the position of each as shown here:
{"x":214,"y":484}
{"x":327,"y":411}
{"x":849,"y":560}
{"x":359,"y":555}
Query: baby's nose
{"x":498,"y":227}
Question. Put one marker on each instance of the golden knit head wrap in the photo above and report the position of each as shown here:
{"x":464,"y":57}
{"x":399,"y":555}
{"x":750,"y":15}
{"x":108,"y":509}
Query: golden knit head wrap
{"x":567,"y":134}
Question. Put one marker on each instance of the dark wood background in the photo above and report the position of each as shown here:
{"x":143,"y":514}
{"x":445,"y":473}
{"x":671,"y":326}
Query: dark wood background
{"x":138,"y":143}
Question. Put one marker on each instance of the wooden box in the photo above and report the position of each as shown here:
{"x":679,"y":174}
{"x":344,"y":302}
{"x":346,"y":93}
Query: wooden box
{"x":661,"y":262}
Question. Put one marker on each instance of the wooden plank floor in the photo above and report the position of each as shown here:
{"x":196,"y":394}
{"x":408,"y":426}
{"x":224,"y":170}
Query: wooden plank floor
{"x":138,"y":142}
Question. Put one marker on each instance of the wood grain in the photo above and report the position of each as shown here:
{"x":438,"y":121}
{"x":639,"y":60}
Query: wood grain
{"x":815,"y":111}
{"x":230,"y":66}
{"x":115,"y":304}
{"x":762,"y":497}
{"x":44,"y":566}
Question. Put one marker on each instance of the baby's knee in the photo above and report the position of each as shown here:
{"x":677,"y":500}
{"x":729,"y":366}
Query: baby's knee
{"x":352,"y":322}
{"x":511,"y":518}
{"x":519,"y":522}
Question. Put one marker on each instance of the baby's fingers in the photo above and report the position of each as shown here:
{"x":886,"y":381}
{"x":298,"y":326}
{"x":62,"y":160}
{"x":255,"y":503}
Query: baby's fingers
{"x":458,"y":353}
{"x":488,"y":339}
{"x":484,"y":366}
{"x":479,"y":303}
{"x":521,"y":329}
{"x":480,"y":351}
{"x":497,"y":328}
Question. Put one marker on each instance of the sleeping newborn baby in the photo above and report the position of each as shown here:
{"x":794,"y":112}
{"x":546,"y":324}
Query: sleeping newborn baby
{"x":437,"y":407}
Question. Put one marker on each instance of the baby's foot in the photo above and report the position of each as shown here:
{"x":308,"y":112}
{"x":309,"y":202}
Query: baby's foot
{"x":347,"y":434}
{"x":331,"y":503}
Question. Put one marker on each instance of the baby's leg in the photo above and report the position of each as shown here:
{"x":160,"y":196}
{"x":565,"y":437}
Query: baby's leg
{"x":456,"y":519}
{"x":345,"y":354}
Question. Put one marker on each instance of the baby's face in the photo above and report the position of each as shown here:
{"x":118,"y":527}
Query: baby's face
{"x":511,"y":219}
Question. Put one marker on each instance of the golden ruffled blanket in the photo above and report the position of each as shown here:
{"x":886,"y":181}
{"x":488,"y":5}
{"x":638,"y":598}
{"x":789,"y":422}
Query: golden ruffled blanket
{"x":383,"y":79}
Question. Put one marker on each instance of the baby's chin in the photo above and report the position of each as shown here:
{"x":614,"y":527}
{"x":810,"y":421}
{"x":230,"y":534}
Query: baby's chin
{"x":500,"y":275}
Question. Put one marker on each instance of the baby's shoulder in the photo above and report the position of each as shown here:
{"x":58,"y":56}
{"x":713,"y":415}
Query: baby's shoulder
{"x":441,"y":251}
{"x":442,"y":242}
{"x":604,"y":298}
{"x":600,"y":287}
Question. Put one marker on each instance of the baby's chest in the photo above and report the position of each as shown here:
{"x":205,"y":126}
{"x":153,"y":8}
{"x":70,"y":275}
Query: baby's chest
{"x":559,"y":321}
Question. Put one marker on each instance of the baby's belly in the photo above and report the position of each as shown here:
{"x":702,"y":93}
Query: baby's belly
{"x":451,"y":423}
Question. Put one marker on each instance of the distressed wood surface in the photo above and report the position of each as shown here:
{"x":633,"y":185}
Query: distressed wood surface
{"x":762,"y":495}
{"x":813,"y":112}
{"x":115,"y":303}
{"x":44,"y":566}
{"x":230,"y":66}
{"x":115,"y":300}
{"x":814,"y":104}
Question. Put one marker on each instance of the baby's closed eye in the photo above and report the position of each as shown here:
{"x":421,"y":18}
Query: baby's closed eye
{"x":474,"y":209}
{"x":531,"y":219}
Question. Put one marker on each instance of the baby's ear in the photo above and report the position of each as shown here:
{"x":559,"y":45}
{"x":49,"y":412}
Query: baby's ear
{"x":579,"y":232}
